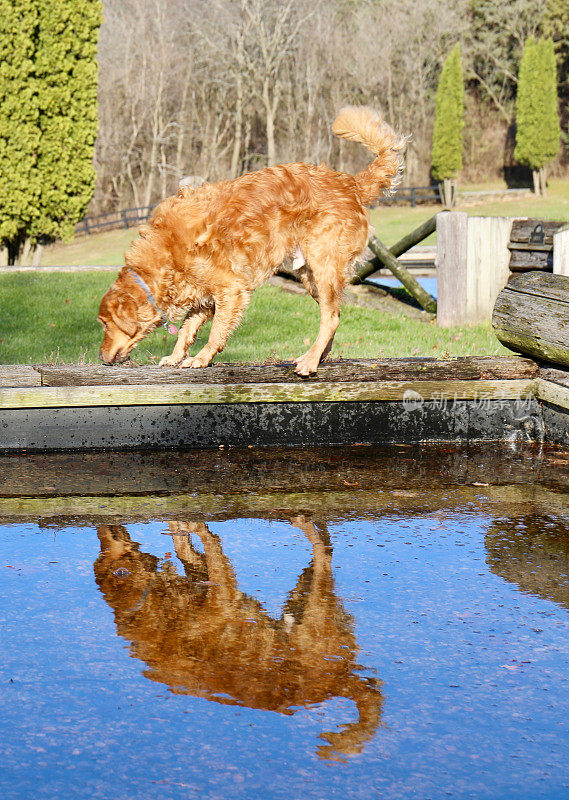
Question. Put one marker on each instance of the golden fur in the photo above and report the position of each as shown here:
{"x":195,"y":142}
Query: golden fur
{"x":206,"y":250}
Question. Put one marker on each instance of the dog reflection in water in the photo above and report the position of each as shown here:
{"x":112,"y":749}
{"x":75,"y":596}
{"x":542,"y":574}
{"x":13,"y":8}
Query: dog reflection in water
{"x":201,"y":636}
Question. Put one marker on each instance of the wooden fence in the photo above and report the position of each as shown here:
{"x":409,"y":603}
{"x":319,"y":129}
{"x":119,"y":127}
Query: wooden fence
{"x":473,"y":264}
{"x":414,"y":195}
{"x":127,"y":218}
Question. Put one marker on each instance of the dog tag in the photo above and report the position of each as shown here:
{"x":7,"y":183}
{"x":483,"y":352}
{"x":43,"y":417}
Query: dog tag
{"x":171,"y":328}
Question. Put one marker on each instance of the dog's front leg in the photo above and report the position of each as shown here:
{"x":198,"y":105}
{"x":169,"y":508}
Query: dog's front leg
{"x":186,"y":336}
{"x":229,"y":308}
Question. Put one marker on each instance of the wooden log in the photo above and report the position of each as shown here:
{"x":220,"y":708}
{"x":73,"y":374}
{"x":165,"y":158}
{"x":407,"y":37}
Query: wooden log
{"x":522,"y":230}
{"x":413,"y":287}
{"x":355,"y":370}
{"x":526,"y":260}
{"x":400,"y":247}
{"x":531,"y":316}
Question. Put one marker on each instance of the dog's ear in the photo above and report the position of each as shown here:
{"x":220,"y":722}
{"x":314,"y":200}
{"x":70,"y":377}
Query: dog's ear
{"x":126,"y":316}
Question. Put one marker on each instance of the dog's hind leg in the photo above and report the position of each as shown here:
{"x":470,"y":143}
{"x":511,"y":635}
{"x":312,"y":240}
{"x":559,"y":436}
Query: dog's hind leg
{"x":328,"y":298}
{"x":229,"y":308}
{"x":186,"y":336}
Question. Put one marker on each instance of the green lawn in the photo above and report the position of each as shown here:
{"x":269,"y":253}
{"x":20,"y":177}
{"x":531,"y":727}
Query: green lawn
{"x":52,"y":318}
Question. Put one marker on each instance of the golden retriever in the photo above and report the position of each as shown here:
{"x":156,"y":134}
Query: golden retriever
{"x":206,"y":250}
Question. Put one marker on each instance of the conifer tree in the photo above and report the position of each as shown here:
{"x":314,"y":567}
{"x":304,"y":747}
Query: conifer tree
{"x":537,"y":116}
{"x":19,"y":131}
{"x":48,"y":78}
{"x":556,"y":25}
{"x":446,"y":157}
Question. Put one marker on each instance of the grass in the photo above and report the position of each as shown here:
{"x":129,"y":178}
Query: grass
{"x":277,"y":326}
{"x":390,"y":223}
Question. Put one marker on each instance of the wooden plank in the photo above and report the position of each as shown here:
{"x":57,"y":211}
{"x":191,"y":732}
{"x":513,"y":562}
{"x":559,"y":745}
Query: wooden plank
{"x":555,"y":375}
{"x":531,"y":259}
{"x":146,"y":395}
{"x":561,"y":253}
{"x":487,"y":265}
{"x":553,"y":392}
{"x":19,"y":375}
{"x":452,"y":229}
{"x":359,"y":370}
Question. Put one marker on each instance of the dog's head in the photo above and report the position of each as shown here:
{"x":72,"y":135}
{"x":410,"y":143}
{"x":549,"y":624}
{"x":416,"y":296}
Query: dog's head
{"x":127,"y":316}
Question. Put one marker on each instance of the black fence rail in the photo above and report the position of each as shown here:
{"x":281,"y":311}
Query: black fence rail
{"x":414,"y":195}
{"x":127,"y":218}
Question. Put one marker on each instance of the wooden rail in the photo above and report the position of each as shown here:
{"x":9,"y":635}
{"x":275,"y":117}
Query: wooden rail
{"x":127,"y":218}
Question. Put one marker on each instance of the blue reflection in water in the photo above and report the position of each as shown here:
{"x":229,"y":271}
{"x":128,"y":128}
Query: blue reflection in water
{"x":453,"y":628}
{"x":428,"y":283}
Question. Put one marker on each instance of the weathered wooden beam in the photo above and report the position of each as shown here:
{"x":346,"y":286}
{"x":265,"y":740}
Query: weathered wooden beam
{"x":531,"y":316}
{"x":338,"y":371}
{"x":400,"y":247}
{"x":167,"y":395}
{"x":409,"y":282}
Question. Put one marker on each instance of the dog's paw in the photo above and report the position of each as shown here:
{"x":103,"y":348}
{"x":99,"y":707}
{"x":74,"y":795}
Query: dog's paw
{"x":306,"y":365}
{"x":169,"y":361}
{"x":194,"y":362}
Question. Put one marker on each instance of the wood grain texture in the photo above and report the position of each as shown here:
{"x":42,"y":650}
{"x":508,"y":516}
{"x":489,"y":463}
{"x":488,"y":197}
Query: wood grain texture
{"x":357,"y":370}
{"x":531,"y":316}
{"x":452,"y":230}
{"x":561,"y":253}
{"x":522,"y":229}
{"x":164,"y":395}
{"x":19,"y":375}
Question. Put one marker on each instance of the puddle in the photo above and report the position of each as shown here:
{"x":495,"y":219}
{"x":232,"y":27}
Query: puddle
{"x":391,"y":623}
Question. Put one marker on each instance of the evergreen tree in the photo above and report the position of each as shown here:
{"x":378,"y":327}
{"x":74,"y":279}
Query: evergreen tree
{"x":49,"y":78}
{"x":556,"y":25}
{"x":537,"y":117}
{"x":19,"y":131}
{"x":446,"y":157}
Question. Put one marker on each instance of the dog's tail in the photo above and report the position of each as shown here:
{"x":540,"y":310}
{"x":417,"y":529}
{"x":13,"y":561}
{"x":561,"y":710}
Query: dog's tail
{"x":362,"y":124}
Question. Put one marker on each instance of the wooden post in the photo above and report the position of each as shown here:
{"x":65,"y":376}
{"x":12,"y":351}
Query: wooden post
{"x":472,"y":266}
{"x":452,"y":229}
{"x":488,"y":258}
{"x":561,"y":252}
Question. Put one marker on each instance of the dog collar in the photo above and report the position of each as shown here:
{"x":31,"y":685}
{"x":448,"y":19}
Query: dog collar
{"x":169,"y":326}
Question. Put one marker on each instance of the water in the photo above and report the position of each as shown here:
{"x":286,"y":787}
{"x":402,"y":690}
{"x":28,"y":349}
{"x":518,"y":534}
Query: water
{"x":429,"y":284}
{"x":371,"y":631}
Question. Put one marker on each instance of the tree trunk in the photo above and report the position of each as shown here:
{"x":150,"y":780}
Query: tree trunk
{"x":3,"y":256}
{"x":238,"y":128}
{"x":543,"y":181}
{"x":445,"y":189}
{"x":25,"y":254}
{"x":37,"y":255}
{"x":535,"y":175}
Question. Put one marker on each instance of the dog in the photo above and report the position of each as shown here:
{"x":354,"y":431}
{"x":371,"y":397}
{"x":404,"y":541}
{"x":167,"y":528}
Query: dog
{"x":205,"y":250}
